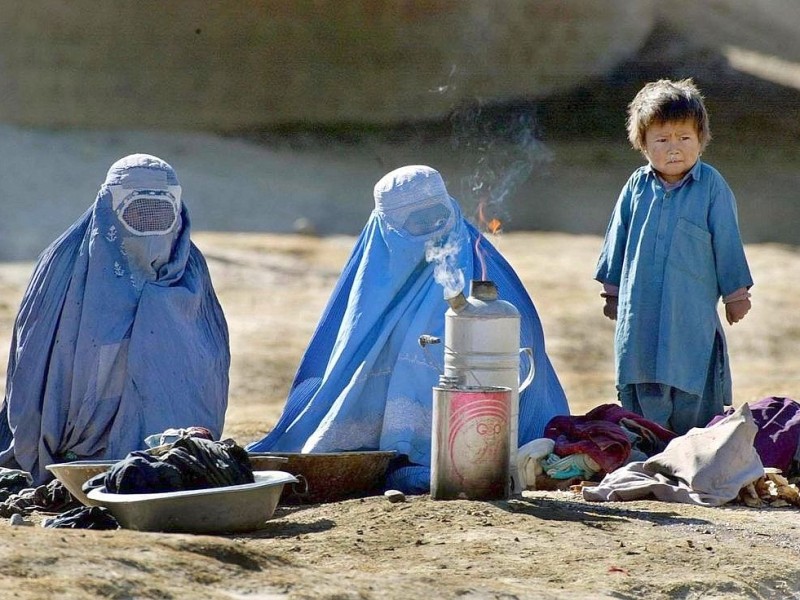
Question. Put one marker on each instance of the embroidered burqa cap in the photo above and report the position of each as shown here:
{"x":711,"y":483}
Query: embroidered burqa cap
{"x":414,"y":200}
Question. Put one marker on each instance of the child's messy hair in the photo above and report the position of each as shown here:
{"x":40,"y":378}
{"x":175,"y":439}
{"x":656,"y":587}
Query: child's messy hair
{"x":666,"y":100}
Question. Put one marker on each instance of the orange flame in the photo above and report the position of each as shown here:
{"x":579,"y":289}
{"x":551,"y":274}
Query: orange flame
{"x":493,"y":225}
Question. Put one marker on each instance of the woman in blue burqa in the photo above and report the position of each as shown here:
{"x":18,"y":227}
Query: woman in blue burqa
{"x":120,"y":334}
{"x":364,"y":382}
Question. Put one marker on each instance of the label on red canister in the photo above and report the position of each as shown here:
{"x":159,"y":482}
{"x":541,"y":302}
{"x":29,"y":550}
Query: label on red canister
{"x":471,"y":443}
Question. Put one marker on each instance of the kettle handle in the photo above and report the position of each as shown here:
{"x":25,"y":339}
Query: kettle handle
{"x":529,"y":378}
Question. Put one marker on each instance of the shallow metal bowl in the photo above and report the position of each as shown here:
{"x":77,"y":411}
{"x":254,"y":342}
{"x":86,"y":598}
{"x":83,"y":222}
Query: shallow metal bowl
{"x":75,"y":473}
{"x":221,"y":510}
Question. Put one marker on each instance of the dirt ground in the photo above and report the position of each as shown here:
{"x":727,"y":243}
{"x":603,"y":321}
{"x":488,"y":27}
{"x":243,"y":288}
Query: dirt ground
{"x":537,"y":545}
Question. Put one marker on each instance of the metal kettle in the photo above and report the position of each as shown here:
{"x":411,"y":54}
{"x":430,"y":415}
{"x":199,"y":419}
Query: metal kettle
{"x":482,"y":349}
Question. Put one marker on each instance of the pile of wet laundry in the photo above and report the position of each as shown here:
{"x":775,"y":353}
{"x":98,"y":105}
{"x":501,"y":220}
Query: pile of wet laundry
{"x":180,"y":460}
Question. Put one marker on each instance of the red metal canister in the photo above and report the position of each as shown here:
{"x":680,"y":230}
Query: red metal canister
{"x":471,"y":443}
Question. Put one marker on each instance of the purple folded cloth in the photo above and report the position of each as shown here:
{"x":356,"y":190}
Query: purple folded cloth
{"x":778,"y":421}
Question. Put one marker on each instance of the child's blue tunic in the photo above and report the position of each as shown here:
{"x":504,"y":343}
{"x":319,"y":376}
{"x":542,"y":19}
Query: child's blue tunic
{"x":672,"y":254}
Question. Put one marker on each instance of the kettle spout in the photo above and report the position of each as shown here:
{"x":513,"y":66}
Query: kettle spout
{"x":457,"y":302}
{"x":426,"y":340}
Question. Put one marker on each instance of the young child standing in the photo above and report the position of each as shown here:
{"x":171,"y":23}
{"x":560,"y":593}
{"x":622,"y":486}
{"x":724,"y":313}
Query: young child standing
{"x":672,"y":249}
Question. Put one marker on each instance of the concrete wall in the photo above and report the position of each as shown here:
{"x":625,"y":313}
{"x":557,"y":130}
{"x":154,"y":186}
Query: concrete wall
{"x":257,"y":63}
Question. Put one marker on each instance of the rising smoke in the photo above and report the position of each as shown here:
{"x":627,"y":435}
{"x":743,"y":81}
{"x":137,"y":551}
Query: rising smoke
{"x":500,"y":150}
{"x":443,"y":254}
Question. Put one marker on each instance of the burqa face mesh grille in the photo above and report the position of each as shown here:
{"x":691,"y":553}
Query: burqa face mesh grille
{"x":427,"y":220}
{"x":149,"y":214}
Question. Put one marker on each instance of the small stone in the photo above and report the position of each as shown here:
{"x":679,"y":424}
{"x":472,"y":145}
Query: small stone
{"x":395,"y":496}
{"x":18,"y":520}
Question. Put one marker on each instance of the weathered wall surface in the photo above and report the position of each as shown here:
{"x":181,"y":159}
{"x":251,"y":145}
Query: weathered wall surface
{"x":769,"y":27}
{"x":83,"y":83}
{"x":260,"y":63}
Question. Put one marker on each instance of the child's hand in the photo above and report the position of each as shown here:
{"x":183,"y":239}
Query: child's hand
{"x":610,"y":308}
{"x":735,"y":311}
{"x":737,"y":305}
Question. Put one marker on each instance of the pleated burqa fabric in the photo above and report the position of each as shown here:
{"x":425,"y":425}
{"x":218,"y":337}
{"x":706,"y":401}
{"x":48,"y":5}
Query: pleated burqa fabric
{"x":364,"y":382}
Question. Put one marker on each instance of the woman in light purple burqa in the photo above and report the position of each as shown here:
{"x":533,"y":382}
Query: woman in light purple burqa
{"x":120,"y":334}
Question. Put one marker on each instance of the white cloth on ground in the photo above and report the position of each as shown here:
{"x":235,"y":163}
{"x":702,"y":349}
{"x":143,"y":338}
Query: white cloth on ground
{"x":529,"y":460}
{"x":706,"y":466}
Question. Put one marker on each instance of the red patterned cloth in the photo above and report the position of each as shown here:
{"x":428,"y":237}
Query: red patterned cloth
{"x":600,"y":434}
